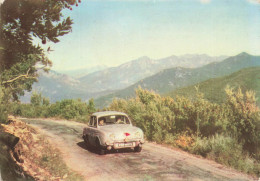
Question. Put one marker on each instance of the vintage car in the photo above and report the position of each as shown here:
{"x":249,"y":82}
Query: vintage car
{"x":112,"y":130}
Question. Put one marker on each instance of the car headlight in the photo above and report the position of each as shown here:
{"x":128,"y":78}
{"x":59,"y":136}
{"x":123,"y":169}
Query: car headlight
{"x":137,"y":134}
{"x":112,"y":136}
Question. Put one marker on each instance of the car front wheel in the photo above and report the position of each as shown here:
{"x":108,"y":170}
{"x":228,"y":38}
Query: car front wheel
{"x":86,"y":140}
{"x":137,"y":149}
{"x":101,"y":151}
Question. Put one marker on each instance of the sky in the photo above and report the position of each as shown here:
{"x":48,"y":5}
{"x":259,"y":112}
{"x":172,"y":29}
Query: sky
{"x":111,"y":32}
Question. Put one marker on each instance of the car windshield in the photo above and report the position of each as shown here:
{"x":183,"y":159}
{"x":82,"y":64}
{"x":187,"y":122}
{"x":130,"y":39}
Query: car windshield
{"x":113,"y":119}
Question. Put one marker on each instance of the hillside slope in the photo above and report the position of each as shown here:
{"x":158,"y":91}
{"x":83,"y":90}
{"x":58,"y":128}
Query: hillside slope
{"x":214,"y":89}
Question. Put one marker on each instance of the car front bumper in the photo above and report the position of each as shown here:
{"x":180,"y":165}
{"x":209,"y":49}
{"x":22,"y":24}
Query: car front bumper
{"x":124,"y":144}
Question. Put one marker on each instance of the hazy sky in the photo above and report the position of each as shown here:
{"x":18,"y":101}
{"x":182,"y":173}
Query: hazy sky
{"x":111,"y":32}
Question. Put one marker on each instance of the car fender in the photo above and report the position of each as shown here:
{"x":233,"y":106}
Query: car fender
{"x":101,"y":143}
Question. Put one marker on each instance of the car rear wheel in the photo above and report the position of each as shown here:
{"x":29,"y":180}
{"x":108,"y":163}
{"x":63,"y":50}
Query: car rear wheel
{"x":137,"y":149}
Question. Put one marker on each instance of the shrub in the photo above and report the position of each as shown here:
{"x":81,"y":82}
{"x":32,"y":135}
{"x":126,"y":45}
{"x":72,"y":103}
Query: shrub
{"x":184,"y":141}
{"x":225,"y":150}
{"x":227,"y":133}
{"x":244,"y":118}
{"x":41,"y":107}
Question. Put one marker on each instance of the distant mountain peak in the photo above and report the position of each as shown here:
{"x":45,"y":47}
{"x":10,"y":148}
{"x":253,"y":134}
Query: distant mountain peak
{"x":140,"y":61}
{"x":244,"y":54}
{"x":194,"y":55}
{"x":144,"y":58}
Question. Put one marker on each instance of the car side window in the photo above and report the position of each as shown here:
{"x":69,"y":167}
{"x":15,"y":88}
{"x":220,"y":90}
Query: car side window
{"x":127,"y":120}
{"x":93,"y":121}
{"x":90,"y":123}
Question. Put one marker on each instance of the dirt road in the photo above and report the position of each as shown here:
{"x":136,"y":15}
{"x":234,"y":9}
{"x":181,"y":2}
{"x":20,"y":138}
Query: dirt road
{"x":155,"y":162}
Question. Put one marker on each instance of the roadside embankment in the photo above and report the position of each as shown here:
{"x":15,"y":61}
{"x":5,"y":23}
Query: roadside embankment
{"x":26,"y":154}
{"x":9,"y":170}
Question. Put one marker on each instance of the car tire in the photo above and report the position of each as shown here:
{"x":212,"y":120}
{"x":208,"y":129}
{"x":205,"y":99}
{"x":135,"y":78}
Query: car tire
{"x":137,"y":149}
{"x":101,"y":151}
{"x":86,"y":141}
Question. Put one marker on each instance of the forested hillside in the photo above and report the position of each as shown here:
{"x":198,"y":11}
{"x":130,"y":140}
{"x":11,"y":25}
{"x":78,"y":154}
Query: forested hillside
{"x":214,"y":89}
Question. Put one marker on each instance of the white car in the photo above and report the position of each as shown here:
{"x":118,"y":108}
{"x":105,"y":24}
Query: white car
{"x":112,"y":130}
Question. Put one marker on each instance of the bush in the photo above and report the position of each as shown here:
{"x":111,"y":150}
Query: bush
{"x":41,"y":107}
{"x":158,"y":116}
{"x":184,"y":141}
{"x":225,"y":150}
{"x":176,"y":121}
{"x":244,"y":118}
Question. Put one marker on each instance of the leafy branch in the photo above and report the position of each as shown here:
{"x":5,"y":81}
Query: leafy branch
{"x":26,"y":76}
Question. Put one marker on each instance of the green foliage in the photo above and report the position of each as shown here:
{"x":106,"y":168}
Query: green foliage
{"x":244,"y":118}
{"x":228,"y":132}
{"x":72,"y":108}
{"x":226,"y":150}
{"x":91,"y":106}
{"x":158,"y":115}
{"x":22,"y":22}
{"x":40,"y":107}
{"x":45,"y":101}
{"x":36,"y":99}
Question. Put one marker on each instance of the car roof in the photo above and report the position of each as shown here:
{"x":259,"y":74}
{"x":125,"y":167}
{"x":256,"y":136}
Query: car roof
{"x":108,"y":113}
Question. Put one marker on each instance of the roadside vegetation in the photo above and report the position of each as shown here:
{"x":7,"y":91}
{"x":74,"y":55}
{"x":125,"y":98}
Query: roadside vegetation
{"x":228,"y":133}
{"x":71,"y":109}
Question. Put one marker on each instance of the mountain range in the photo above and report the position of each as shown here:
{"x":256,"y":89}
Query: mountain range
{"x":171,"y":79}
{"x":57,"y":86}
{"x":77,"y":73}
{"x":85,"y":85}
{"x":124,"y":75}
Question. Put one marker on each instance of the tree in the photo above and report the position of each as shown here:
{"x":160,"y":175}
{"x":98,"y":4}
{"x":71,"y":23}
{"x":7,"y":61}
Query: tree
{"x":91,"y":106}
{"x":22,"y":23}
{"x":36,"y":99}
